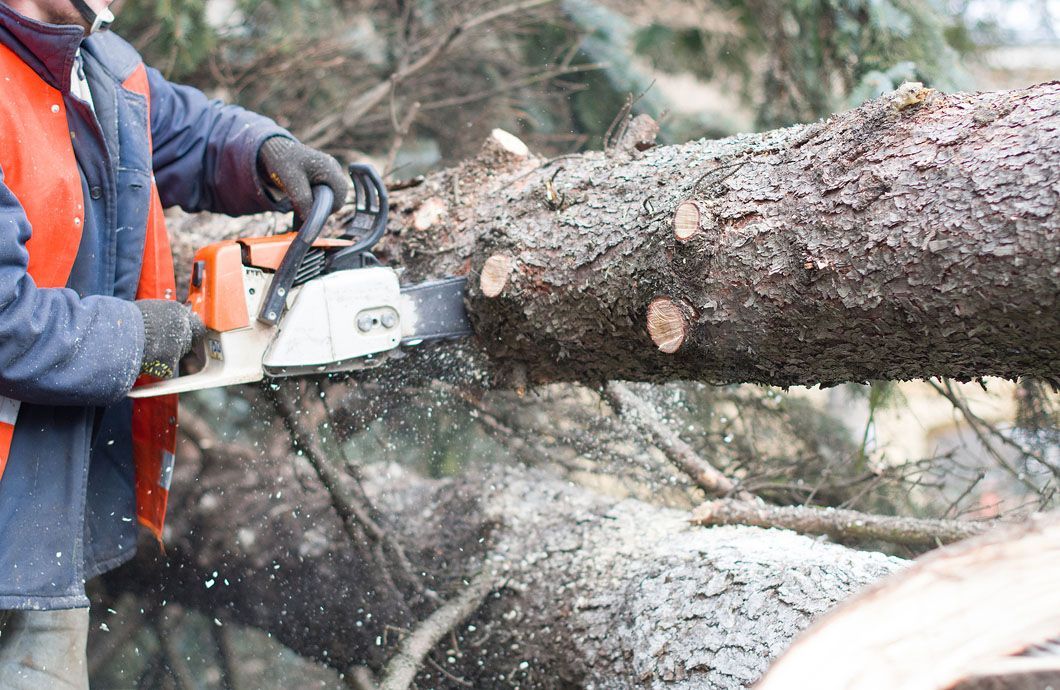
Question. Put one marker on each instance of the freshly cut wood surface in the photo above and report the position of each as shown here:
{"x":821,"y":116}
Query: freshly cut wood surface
{"x":686,"y":221}
{"x":494,"y":274}
{"x":666,"y":325}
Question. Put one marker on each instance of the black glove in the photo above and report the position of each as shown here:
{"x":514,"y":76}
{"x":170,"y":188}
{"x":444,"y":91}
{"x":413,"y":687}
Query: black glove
{"x":294,"y":168}
{"x":170,"y":331}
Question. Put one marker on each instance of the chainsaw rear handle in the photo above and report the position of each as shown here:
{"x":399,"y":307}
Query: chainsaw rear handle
{"x":275,"y":302}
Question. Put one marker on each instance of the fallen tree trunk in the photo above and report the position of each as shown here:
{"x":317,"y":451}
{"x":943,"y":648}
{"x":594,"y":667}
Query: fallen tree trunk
{"x":587,"y":591}
{"x":915,"y":236}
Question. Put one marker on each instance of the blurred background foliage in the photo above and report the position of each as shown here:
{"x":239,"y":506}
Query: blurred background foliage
{"x":556,"y":72}
{"x":414,"y":85}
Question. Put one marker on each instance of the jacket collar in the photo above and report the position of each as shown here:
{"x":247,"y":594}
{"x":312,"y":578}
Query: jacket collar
{"x":47,"y":48}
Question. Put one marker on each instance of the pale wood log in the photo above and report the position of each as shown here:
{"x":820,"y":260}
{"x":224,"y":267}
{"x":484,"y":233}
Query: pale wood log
{"x":931,"y":625}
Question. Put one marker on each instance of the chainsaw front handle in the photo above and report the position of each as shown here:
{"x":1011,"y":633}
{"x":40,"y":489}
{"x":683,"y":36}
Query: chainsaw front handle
{"x":368,"y":223}
{"x":275,"y":302}
{"x":371,"y":205}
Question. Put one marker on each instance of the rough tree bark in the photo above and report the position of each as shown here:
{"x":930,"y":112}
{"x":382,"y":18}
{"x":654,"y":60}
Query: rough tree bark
{"x":916,"y":236}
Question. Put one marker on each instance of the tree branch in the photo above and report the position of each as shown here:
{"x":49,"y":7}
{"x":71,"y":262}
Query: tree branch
{"x":840,"y":524}
{"x":679,"y":453}
{"x":325,"y":131}
{"x":353,"y":506}
{"x":406,"y":663}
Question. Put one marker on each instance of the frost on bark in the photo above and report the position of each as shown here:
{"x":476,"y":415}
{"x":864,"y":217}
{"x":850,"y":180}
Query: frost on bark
{"x":915,"y":236}
{"x":590,"y":591}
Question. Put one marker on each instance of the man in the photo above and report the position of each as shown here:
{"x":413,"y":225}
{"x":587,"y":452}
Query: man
{"x":92,"y":144}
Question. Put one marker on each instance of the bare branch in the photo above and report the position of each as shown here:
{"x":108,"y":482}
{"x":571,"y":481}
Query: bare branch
{"x":404,"y":666}
{"x":346,"y":493}
{"x":683,"y":457}
{"x":987,"y":434}
{"x":842,"y":524}
{"x":325,"y":131}
{"x":401,"y":130}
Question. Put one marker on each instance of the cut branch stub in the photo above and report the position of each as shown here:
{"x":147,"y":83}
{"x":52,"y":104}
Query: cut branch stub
{"x":640,"y":134}
{"x":502,"y":150}
{"x":495,"y":274}
{"x":666,"y":325}
{"x":686,"y":221}
{"x":429,"y":213}
{"x":509,"y":143}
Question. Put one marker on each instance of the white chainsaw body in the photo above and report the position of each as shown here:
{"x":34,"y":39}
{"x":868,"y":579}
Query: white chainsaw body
{"x":340,"y":321}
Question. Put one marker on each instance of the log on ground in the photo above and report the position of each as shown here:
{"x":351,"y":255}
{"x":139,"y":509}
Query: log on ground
{"x":590,"y":590}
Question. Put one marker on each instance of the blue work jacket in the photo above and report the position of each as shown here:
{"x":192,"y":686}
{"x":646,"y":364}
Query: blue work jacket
{"x":67,"y":504}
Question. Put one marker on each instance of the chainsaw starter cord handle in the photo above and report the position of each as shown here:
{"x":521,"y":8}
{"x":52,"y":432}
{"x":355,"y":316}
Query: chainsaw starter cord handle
{"x":275,"y":302}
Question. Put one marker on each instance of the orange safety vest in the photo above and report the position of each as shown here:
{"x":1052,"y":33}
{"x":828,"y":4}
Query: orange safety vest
{"x":39,"y":167}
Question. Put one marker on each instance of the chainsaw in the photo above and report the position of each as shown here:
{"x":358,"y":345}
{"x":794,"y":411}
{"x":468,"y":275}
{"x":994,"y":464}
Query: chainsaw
{"x":298,"y":304}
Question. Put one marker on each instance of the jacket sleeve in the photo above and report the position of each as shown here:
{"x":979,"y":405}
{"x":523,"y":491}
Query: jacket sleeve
{"x":205,"y":152}
{"x":57,"y":348}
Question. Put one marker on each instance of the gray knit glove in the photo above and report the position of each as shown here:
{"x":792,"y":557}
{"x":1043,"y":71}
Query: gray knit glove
{"x":170,"y":331}
{"x":293,"y":168}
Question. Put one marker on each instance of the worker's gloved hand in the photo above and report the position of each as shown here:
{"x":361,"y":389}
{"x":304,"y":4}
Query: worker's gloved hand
{"x":294,"y":168}
{"x":170,"y":331}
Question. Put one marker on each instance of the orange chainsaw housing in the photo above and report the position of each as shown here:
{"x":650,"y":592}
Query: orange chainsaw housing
{"x":216,"y":291}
